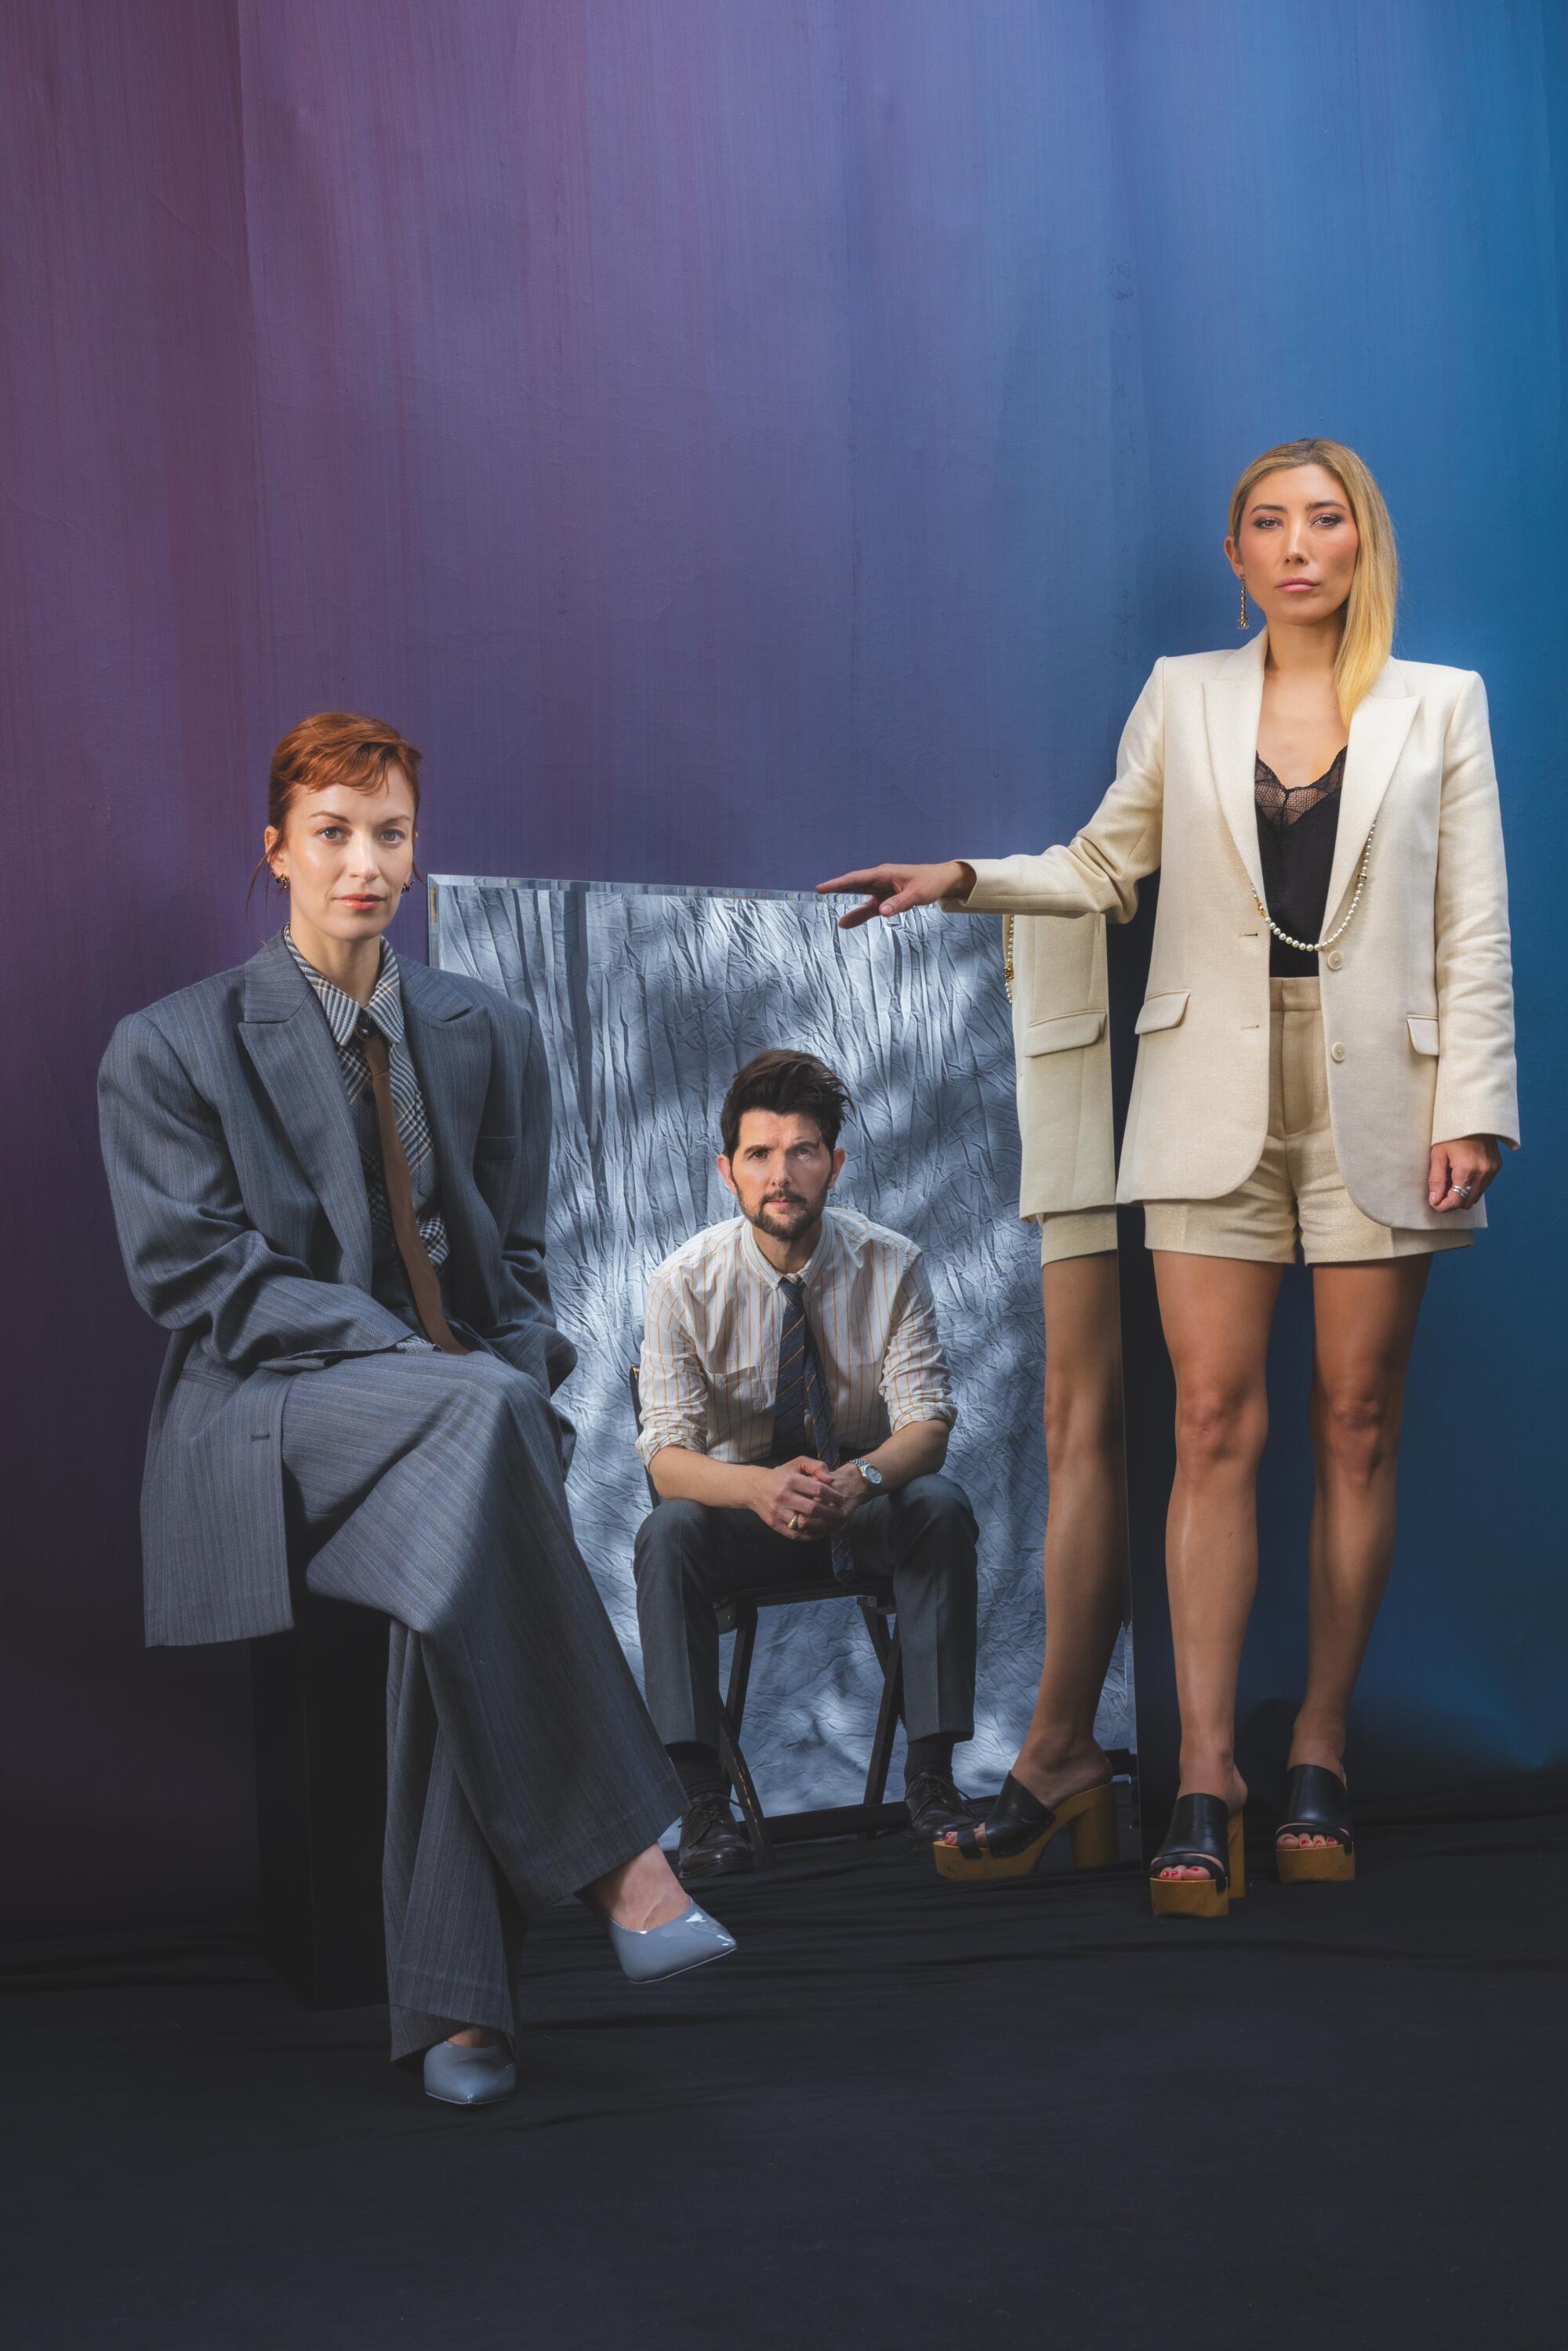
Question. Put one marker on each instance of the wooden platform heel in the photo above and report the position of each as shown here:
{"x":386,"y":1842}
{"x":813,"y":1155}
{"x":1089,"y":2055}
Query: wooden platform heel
{"x":1205,"y":1835}
{"x":1315,"y":1805}
{"x":1019,"y":1828}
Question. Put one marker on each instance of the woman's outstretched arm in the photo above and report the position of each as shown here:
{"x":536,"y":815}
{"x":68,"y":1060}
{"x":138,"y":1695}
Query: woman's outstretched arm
{"x":1096,"y":873}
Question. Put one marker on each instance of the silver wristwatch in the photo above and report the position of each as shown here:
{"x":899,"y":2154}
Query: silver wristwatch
{"x":872,"y":1475}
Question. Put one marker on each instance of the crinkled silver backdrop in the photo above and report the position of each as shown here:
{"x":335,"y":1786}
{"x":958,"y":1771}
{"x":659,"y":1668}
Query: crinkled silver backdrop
{"x":648,"y":1000}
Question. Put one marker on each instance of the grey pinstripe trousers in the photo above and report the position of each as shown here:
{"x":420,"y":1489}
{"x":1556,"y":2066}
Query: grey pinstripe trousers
{"x":521,"y":1763}
{"x":921,"y":1539}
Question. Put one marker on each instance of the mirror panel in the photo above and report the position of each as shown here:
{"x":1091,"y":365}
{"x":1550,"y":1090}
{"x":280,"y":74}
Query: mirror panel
{"x":648,"y":999}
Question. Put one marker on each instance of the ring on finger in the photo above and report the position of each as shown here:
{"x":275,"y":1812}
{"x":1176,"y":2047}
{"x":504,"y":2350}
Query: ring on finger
{"x":794,"y":1522}
{"x":1463,"y":1191}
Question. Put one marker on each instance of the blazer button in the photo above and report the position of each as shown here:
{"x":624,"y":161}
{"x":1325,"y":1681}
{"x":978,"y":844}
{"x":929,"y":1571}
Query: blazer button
{"x":1337,"y":1052}
{"x":1335,"y":961}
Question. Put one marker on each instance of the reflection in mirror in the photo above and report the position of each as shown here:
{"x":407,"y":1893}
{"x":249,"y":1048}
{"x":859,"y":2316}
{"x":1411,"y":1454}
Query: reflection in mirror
{"x":1056,"y":976}
{"x":648,"y":1000}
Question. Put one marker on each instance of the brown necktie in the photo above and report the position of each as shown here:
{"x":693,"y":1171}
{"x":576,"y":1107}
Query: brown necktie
{"x":422,"y":1281}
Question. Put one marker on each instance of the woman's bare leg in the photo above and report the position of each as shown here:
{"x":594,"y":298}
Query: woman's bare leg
{"x":1365,"y":1318}
{"x":1216,"y":1313}
{"x":1085,"y":1562}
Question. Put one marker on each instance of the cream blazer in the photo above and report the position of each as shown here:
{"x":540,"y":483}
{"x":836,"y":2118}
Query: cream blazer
{"x":1061,"y":1048}
{"x":1417,"y":994}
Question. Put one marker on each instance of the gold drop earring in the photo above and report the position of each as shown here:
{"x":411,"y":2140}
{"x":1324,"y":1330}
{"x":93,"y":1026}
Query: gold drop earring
{"x":1241,"y":622}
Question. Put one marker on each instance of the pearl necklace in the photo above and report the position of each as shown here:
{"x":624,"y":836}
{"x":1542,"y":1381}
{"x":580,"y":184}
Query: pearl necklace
{"x":1316,"y":946}
{"x":1303,"y":947}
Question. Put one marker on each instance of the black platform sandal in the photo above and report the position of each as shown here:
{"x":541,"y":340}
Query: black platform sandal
{"x":1205,"y":1835}
{"x":1316,"y":1804}
{"x":1019,"y":1827}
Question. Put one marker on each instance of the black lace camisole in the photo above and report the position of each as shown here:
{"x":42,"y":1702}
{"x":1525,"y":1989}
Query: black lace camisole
{"x":1297,"y":824}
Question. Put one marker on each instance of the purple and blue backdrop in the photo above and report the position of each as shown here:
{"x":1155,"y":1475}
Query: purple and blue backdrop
{"x":735,"y":441}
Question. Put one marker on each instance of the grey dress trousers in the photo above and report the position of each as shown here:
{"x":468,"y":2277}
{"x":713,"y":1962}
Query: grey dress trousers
{"x":300,"y":1426}
{"x":920,"y":1539}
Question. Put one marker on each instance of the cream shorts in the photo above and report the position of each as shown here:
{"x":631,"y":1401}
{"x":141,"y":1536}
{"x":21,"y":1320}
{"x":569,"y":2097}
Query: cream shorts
{"x":1075,"y":1232}
{"x":1296,"y":1192}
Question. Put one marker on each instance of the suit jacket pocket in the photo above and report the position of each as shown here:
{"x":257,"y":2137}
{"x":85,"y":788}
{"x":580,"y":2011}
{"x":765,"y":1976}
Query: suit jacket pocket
{"x":496,"y":1147}
{"x":1162,"y":1011}
{"x":1423,"y":1030}
{"x":1056,"y":1036}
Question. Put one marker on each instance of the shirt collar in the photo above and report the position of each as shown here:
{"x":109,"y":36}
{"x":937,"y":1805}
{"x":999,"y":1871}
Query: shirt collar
{"x":385,"y":1006}
{"x":815,"y":1266}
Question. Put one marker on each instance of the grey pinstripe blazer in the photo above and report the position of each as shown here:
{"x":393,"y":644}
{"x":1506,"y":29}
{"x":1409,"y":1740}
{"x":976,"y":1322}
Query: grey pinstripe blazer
{"x":241,"y":1207}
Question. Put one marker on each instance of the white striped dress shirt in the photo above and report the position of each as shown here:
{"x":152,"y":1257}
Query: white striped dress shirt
{"x":709,"y":1372}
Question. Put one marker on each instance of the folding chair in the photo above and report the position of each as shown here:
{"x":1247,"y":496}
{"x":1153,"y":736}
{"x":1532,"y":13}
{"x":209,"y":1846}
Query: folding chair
{"x":737,"y":1612}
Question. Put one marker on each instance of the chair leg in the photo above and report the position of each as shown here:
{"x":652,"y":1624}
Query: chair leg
{"x":734,"y":1764}
{"x":733,"y":1705}
{"x":875,"y":1623}
{"x":889,"y":1715}
{"x":740,"y":1668}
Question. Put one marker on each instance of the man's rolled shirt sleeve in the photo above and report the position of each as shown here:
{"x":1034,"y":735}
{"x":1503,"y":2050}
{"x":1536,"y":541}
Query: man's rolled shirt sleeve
{"x":915,"y":1381}
{"x":671,"y":1391}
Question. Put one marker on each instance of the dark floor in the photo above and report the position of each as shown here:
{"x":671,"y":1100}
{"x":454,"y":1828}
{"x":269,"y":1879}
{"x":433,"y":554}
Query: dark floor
{"x":905,"y":2115}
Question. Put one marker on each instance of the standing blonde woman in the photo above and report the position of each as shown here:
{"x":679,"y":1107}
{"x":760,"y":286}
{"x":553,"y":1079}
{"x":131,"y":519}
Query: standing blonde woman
{"x":1326,"y":1057}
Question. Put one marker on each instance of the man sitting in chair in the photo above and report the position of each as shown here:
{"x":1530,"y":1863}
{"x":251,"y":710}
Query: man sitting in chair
{"x":796,"y":1405}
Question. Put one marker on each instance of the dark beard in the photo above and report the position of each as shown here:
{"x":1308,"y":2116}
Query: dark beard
{"x":808,"y":1213}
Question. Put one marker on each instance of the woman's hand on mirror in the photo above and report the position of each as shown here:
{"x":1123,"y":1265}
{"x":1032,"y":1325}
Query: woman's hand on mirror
{"x":1461,"y":1171}
{"x":896,"y":888}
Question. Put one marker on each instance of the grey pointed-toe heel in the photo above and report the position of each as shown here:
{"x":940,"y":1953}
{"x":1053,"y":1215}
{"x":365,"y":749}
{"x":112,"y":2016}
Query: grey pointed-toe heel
{"x":649,"y":1954}
{"x":459,"y":2077}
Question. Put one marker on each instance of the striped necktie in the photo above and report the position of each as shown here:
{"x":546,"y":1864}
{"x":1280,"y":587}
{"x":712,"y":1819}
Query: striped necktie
{"x":803,"y":1413}
{"x":425,"y":1286}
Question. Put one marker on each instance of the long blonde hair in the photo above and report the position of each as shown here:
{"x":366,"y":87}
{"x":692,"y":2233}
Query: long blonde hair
{"x":1367,"y":638}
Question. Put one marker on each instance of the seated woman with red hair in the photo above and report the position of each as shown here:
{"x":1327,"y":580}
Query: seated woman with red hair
{"x":328,"y":1172}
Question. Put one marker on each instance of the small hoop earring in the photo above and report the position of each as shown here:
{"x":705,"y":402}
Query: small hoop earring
{"x":406,"y":888}
{"x":1241,"y":623}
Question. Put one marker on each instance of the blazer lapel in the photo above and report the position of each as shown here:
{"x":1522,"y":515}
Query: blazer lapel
{"x":1378,"y":726}
{"x":449,"y":1048}
{"x":1232,"y":703}
{"x":292,"y":1052}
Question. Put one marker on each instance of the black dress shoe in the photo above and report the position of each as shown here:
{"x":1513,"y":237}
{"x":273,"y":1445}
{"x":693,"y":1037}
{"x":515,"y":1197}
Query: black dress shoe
{"x":713,"y":1842}
{"x":935,"y":1805}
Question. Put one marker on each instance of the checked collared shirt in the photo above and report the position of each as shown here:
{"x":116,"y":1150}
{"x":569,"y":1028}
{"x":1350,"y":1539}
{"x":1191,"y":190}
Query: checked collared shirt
{"x":385,"y":1008}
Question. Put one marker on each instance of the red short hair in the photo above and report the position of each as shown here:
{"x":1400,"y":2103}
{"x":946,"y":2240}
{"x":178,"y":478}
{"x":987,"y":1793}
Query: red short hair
{"x":335,"y":747}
